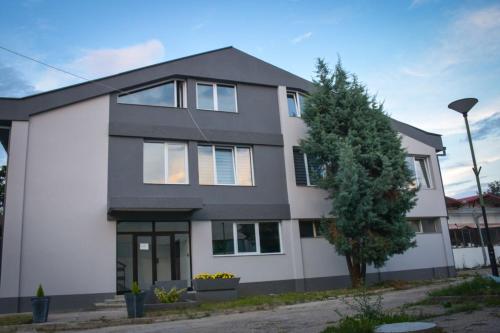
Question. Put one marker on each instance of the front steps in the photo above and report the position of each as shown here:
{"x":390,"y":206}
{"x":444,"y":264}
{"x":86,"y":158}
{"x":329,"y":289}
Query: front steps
{"x":117,"y":302}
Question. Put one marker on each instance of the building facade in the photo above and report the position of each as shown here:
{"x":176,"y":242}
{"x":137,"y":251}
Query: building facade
{"x":179,"y":168}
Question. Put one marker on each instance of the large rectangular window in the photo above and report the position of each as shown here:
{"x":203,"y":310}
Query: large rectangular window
{"x":307,"y":172}
{"x":165,"y":163}
{"x":225,"y":165}
{"x":419,"y":167}
{"x":246,"y":237}
{"x":170,"y":94}
{"x":216,"y":97}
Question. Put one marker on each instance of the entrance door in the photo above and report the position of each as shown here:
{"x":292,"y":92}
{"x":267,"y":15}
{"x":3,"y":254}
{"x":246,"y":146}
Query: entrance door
{"x":160,"y":253}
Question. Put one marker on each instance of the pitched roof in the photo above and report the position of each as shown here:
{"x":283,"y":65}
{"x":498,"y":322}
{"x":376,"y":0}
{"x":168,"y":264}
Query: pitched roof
{"x":472,"y":200}
{"x":226,"y":64}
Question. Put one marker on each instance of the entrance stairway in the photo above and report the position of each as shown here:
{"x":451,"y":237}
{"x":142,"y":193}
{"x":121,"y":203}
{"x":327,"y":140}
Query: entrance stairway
{"x":117,"y":302}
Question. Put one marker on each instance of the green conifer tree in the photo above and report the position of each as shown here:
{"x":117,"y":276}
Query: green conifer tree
{"x":364,"y":171}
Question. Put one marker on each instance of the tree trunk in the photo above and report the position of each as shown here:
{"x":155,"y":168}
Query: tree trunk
{"x":357,"y":271}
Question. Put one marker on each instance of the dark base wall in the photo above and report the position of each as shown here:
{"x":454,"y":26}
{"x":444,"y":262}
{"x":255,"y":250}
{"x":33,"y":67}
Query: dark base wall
{"x":342,"y":281}
{"x":58,"y":303}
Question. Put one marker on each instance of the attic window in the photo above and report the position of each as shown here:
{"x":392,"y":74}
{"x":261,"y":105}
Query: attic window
{"x":168,"y":94}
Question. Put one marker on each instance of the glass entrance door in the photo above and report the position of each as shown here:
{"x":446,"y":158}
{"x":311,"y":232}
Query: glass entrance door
{"x":150,"y":252}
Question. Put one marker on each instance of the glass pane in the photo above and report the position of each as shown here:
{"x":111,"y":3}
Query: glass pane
{"x":222,"y":237}
{"x":415,"y":226}
{"x":315,"y":171}
{"x":163,"y":264}
{"x":124,"y":262}
{"x":226,"y":98}
{"x":135,"y":227}
{"x":246,"y":237}
{"x":144,"y":262}
{"x":292,"y":106}
{"x":429,"y":225}
{"x":224,"y":165}
{"x":182,"y":257}
{"x":154,"y":163}
{"x":163,"y":95}
{"x":172,"y":226}
{"x":422,"y":175}
{"x":302,"y":100}
{"x":205,"y":97}
{"x":410,"y":164}
{"x":306,"y":229}
{"x":244,"y":166}
{"x":269,"y":237}
{"x":205,"y":165}
{"x":177,"y":163}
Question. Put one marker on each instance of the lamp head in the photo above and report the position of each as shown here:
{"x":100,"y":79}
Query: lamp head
{"x":463,"y":105}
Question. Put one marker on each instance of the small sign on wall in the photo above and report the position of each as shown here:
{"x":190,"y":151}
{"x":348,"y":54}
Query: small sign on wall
{"x":144,"y":246}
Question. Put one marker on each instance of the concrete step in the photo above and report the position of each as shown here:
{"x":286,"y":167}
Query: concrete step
{"x":118,"y":301}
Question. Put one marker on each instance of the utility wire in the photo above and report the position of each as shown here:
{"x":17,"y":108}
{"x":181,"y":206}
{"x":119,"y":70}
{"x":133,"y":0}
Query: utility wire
{"x":93,"y":82}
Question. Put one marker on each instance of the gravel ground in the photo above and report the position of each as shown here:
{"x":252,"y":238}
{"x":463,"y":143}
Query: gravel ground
{"x":307,"y":317}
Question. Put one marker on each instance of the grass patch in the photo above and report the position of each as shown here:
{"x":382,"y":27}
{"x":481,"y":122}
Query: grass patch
{"x":18,"y":319}
{"x":478,"y":286}
{"x":257,"y":302}
{"x":362,"y":324}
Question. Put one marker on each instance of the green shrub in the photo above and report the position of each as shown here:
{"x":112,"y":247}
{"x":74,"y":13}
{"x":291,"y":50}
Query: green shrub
{"x":135,"y":288}
{"x":171,"y":296}
{"x":39,"y":291}
{"x":478,"y":286}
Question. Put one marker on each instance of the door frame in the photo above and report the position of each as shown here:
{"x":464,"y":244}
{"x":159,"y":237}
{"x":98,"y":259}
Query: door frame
{"x":154,"y":259}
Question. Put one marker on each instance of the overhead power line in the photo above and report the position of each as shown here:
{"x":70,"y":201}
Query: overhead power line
{"x":19,"y":54}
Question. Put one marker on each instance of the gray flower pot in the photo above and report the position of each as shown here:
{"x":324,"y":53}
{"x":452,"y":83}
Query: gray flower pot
{"x":40,"y":307}
{"x":135,"y":304}
{"x":215,"y":284}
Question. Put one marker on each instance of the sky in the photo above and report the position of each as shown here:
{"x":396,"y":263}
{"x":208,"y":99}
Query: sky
{"x":416,"y":56}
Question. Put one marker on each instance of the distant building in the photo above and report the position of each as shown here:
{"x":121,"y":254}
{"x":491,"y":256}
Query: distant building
{"x":464,"y":218}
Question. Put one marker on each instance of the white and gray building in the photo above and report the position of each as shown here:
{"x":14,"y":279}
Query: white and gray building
{"x":179,"y":168}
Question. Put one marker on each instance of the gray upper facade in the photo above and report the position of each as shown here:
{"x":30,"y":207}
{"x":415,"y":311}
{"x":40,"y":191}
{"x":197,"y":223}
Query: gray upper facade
{"x":256,"y":124}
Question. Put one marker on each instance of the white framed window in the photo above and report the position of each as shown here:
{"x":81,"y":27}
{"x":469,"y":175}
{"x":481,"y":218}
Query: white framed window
{"x":225,"y":165}
{"x":165,"y":163}
{"x":216,"y":97}
{"x":420,"y":169}
{"x":295,"y":102}
{"x":246,"y":238}
{"x":313,"y":172}
{"x":169,"y":94}
{"x":425,"y":225}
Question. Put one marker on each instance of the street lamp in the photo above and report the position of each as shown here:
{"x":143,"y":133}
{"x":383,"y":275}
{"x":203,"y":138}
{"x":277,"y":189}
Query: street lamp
{"x":463,"y":106}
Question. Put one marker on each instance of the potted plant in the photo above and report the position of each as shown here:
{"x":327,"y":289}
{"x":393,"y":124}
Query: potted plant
{"x":135,"y":301}
{"x":218,"y":286}
{"x":40,"y":306}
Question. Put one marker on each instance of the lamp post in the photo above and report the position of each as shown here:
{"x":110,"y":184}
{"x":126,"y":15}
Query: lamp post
{"x":463,"y":106}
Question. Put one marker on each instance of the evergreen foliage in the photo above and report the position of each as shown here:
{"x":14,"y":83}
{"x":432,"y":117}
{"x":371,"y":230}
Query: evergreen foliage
{"x":364,"y":171}
{"x":39,"y":291}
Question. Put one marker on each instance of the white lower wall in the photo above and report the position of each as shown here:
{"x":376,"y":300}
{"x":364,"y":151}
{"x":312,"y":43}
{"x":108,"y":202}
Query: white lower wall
{"x":321,"y":260}
{"x":67,"y":243}
{"x":471,"y":257}
{"x":251,"y":268}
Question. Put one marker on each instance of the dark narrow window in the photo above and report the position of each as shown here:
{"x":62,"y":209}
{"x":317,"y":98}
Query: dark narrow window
{"x":306,"y":229}
{"x":269,"y":235}
{"x":300,"y":167}
{"x":222,"y":237}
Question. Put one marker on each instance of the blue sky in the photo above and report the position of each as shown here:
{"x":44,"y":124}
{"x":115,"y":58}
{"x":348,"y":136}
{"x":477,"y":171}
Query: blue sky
{"x":417,"y":56}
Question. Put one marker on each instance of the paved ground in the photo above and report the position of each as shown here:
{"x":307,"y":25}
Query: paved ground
{"x":308,"y":317}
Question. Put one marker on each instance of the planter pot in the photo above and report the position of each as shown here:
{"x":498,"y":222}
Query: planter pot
{"x":135,"y":304}
{"x":215,"y":284}
{"x":40,"y":306}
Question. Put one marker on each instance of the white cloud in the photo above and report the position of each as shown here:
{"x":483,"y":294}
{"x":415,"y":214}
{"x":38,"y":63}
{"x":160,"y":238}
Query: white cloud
{"x":102,"y":62}
{"x":301,"y":38}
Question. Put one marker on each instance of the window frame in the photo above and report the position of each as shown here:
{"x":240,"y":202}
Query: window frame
{"x":298,"y":107}
{"x":315,"y":228}
{"x":427,"y":166}
{"x":215,"y":96}
{"x":420,"y":227}
{"x":183,"y":105}
{"x":308,"y":178}
{"x":235,"y":165}
{"x":165,"y":161}
{"x":257,"y":240}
